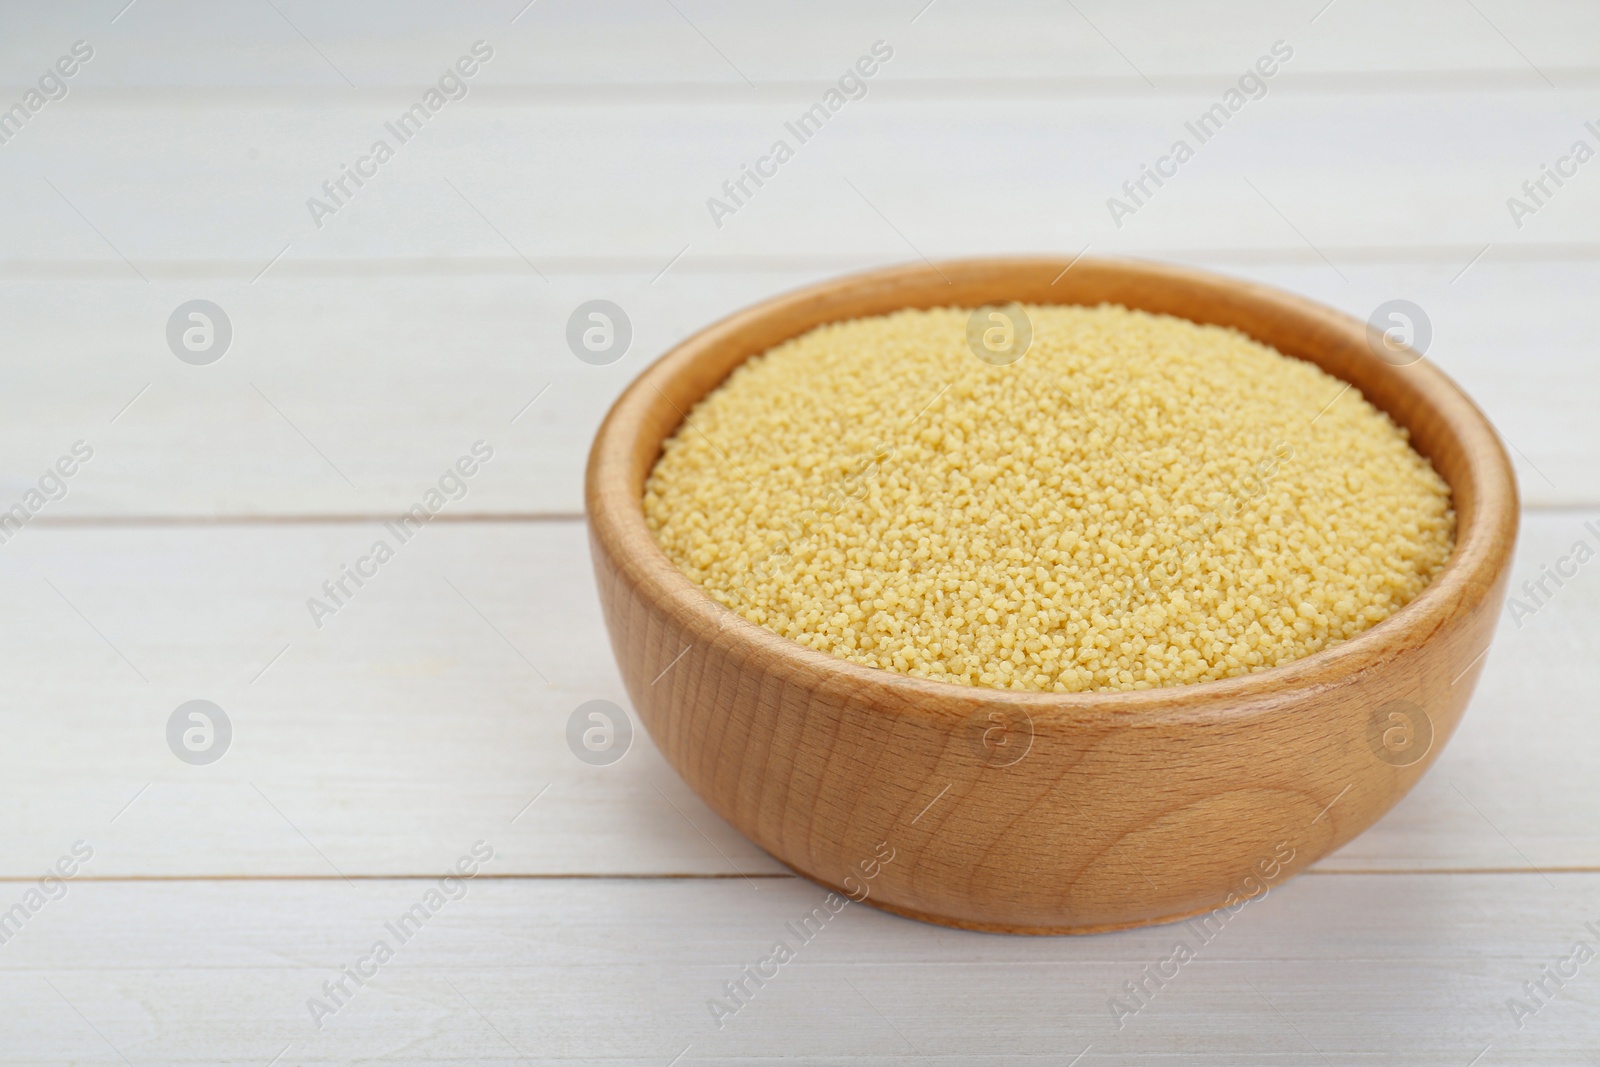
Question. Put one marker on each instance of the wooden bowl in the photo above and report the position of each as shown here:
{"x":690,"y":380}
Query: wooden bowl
{"x":1045,"y":812}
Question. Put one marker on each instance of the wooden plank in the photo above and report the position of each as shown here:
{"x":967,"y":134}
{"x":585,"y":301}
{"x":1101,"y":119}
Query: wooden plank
{"x":639,"y":42}
{"x":1332,"y":969}
{"x":342,"y":396}
{"x":421,"y":703}
{"x":417,"y":717}
{"x":221,"y":178}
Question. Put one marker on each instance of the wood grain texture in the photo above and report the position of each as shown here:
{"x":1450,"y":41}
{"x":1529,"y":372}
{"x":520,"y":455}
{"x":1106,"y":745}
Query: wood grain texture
{"x":406,"y":724}
{"x":1348,"y":969}
{"x":649,"y":47}
{"x":391,"y":378}
{"x":1124,"y":808}
{"x":627,"y":187}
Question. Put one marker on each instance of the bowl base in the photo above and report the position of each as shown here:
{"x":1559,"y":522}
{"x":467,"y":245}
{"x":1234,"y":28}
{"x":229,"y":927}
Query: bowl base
{"x":1033,"y":931}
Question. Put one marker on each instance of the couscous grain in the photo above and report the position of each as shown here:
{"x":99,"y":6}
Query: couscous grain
{"x":1139,"y":501}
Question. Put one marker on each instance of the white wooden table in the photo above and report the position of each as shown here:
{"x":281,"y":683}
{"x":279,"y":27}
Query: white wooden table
{"x":429,"y":713}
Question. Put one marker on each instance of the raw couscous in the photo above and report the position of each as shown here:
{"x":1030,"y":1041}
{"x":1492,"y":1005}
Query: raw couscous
{"x":1138,"y":501}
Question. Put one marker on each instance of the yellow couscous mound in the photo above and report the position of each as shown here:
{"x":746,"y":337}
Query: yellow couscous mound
{"x":1138,"y":501}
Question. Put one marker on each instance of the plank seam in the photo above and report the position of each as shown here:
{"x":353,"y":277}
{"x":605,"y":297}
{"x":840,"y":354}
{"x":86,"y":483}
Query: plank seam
{"x":714,"y":876}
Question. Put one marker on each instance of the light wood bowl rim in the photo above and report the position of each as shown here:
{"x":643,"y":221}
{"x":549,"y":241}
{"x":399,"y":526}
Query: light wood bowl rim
{"x":1484,"y":535}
